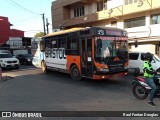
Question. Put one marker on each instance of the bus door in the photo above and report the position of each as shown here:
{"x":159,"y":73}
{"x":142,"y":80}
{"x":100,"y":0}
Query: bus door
{"x":86,"y":56}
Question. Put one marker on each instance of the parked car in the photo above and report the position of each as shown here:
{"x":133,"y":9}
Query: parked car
{"x":24,"y":58}
{"x":136,"y":60}
{"x":8,"y":61}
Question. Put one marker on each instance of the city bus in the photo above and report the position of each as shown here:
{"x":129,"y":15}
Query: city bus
{"x":36,"y":52}
{"x":93,"y":52}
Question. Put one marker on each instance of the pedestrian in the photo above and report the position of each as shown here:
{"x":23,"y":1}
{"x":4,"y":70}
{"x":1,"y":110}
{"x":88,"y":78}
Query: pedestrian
{"x":149,"y":74}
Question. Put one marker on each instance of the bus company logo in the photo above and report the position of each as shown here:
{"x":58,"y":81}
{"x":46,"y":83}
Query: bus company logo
{"x":6,"y":114}
{"x":55,"y":53}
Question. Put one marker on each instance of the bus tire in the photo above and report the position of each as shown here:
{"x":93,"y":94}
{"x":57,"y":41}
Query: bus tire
{"x":75,"y":74}
{"x":44,"y":67}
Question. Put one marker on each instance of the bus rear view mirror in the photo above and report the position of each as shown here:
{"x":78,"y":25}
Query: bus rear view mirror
{"x":42,"y":46}
{"x":99,"y":43}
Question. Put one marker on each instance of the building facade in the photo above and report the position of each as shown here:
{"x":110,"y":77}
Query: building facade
{"x":141,"y":18}
{"x":6,"y":33}
{"x":13,"y":39}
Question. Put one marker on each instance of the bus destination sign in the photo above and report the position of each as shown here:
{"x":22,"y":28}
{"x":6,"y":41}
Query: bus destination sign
{"x":110,"y":32}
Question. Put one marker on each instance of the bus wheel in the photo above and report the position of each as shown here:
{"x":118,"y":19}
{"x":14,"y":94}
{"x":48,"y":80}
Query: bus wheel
{"x":44,"y":68}
{"x":75,"y":74}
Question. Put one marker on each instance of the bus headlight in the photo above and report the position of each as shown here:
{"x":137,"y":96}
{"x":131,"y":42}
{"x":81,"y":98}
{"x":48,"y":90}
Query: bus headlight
{"x":28,"y":60}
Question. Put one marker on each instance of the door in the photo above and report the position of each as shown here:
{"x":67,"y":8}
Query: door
{"x":86,"y":56}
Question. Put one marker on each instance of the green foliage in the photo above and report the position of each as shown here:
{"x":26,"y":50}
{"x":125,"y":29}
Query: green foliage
{"x":40,"y":34}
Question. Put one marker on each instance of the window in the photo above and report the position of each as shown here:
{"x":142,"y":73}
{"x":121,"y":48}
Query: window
{"x":155,"y":19}
{"x":133,"y":56}
{"x":48,"y":43}
{"x":72,"y":43}
{"x":126,"y":2}
{"x":101,"y":5}
{"x":54,"y":43}
{"x":34,"y":45}
{"x":143,"y":56}
{"x":79,"y":11}
{"x":134,"y":22}
{"x":61,"y":43}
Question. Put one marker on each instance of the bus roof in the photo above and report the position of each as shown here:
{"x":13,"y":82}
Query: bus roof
{"x":64,"y":32}
{"x":80,"y":29}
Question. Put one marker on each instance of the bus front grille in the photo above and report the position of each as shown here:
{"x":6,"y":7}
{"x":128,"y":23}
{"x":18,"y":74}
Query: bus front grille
{"x":116,"y":68}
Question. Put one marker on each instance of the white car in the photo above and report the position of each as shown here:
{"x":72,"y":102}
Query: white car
{"x":8,"y":61}
{"x":136,"y":60}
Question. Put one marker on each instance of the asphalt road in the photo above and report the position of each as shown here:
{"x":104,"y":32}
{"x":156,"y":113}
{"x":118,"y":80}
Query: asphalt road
{"x":28,"y":89}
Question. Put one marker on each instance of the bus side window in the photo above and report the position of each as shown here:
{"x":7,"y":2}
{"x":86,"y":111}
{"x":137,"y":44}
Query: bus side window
{"x":72,"y":43}
{"x":48,"y":43}
{"x":68,"y":42}
{"x":61,"y":43}
{"x":54,"y":43}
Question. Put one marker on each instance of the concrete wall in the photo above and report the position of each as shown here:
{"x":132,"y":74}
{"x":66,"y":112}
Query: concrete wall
{"x":144,"y":48}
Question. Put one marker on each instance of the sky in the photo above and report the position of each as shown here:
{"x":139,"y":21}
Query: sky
{"x":26,"y":15}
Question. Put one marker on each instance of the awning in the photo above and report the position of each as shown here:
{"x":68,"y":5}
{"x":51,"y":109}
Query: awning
{"x":145,"y":40}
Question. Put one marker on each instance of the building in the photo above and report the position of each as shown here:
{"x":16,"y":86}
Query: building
{"x":141,"y":18}
{"x":6,"y":32}
{"x":13,"y":39}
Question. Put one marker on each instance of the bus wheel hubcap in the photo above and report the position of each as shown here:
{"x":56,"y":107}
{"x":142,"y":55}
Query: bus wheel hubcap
{"x":75,"y":72}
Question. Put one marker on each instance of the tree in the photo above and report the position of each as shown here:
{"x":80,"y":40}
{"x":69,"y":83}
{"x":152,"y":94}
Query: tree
{"x":40,"y":34}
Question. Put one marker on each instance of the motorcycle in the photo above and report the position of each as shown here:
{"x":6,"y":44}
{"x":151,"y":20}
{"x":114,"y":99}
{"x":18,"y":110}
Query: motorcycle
{"x":140,"y":88}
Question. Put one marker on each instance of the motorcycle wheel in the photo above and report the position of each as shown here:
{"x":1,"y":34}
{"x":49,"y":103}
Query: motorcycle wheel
{"x":139,"y":91}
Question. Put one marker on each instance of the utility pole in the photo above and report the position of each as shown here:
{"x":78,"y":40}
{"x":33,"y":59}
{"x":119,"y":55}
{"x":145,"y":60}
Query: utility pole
{"x":44,"y":24}
{"x":47,"y":24}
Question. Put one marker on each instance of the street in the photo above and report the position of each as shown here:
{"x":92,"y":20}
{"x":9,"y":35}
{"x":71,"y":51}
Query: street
{"x":28,"y":89}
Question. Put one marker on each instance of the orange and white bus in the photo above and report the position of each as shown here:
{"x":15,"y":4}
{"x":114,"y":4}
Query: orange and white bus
{"x":95,"y":52}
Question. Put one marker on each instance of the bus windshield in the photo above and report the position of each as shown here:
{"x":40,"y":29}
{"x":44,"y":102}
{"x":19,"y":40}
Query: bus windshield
{"x":110,"y":48}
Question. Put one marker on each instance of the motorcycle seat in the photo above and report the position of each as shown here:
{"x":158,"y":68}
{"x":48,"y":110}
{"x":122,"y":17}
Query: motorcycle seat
{"x":141,"y":78}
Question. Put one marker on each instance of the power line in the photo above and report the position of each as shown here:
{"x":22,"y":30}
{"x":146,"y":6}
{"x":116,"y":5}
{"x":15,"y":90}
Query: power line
{"x":23,"y":7}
